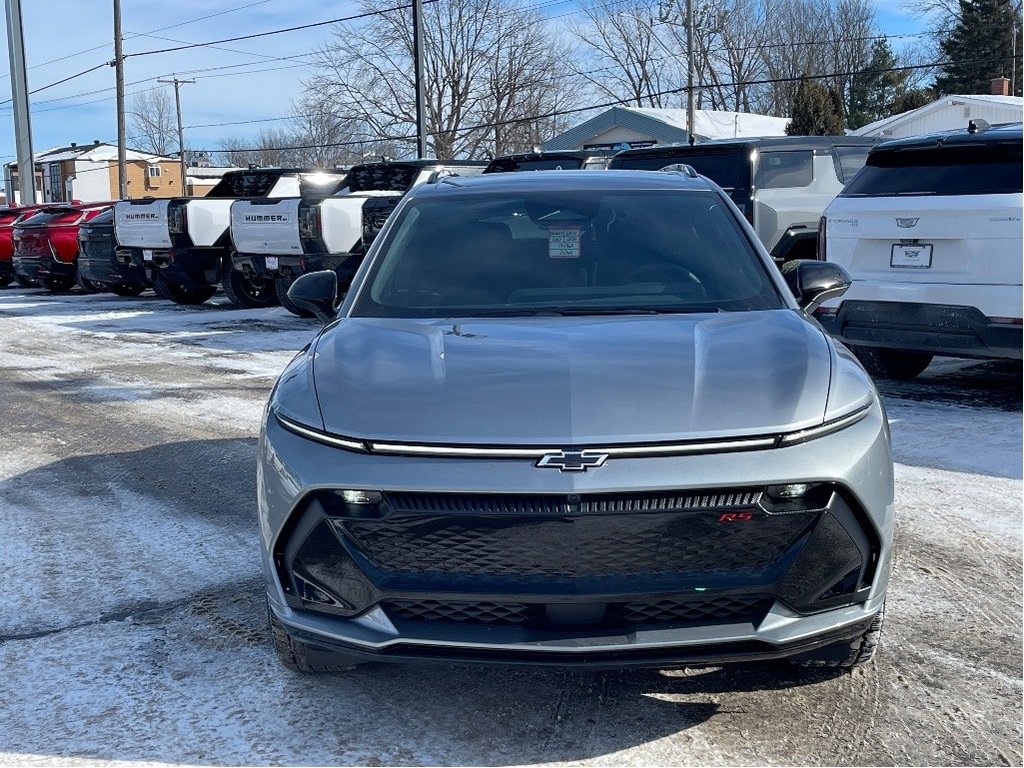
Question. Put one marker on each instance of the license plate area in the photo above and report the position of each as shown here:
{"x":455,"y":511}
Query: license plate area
{"x":917,"y":256}
{"x":272,"y":262}
{"x":147,"y":254}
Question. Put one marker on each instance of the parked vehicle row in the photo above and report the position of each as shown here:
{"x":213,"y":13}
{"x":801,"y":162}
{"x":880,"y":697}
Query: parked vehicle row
{"x":929,"y":228}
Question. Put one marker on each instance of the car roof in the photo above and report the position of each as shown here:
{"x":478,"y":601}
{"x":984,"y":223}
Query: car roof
{"x":424,"y":163}
{"x":579,"y":154}
{"x":284,"y":171}
{"x":761,"y":143}
{"x":560,"y":181}
{"x":1002,"y":133}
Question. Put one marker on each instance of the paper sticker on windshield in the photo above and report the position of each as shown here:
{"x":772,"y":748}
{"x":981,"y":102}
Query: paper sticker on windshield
{"x":564,"y":242}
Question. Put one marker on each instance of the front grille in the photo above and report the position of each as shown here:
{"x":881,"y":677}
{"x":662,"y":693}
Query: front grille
{"x":483,"y":612}
{"x":508,"y":504}
{"x":682,"y":610}
{"x":674,"y":537}
{"x":663,"y":611}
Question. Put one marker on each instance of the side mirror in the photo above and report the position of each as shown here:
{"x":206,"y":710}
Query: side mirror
{"x":812,"y":282}
{"x":318,"y":293}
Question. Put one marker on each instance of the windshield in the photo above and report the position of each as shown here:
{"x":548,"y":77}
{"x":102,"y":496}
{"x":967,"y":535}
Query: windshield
{"x":565,"y":252}
{"x":981,"y":169}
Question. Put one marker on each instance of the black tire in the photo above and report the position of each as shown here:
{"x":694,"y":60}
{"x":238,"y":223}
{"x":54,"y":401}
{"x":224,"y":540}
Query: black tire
{"x":181,"y":295}
{"x":87,"y":285}
{"x":299,"y":657}
{"x":5,"y":280}
{"x":58,"y":284}
{"x":892,"y":363}
{"x":847,"y":654}
{"x":248,"y":292}
{"x":281,"y":286}
{"x":25,"y":282}
{"x":128,"y":289}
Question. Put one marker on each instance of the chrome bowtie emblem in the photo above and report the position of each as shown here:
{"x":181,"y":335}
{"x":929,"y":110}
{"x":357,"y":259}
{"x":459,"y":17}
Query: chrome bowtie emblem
{"x":906,"y":223}
{"x":572,"y":461}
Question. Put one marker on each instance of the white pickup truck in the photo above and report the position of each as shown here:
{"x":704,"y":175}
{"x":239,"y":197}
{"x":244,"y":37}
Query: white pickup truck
{"x":184,"y":242}
{"x":281,"y":238}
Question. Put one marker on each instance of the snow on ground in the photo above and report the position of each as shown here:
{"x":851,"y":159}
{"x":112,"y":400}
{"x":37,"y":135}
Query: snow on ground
{"x":133,"y":628}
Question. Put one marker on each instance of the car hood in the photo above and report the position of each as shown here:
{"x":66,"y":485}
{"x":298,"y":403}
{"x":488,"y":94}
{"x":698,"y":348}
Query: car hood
{"x":572,"y":381}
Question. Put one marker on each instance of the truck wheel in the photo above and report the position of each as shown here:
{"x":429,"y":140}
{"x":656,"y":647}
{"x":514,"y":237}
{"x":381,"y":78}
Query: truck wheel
{"x":25,"y":282}
{"x":849,"y":653}
{"x":129,"y":289}
{"x":86,"y":284}
{"x":248,"y":292}
{"x":181,"y":295}
{"x":299,"y":657}
{"x":58,"y":284}
{"x":892,"y":363}
{"x":281,"y":286}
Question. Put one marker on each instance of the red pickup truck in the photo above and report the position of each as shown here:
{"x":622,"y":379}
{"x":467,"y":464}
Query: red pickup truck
{"x":46,"y":244}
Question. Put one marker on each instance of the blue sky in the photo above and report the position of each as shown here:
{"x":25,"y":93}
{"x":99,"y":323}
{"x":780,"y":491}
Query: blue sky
{"x":83,"y":109}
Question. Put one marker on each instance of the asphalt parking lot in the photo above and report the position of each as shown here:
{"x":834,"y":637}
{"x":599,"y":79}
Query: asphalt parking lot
{"x":133,"y":626}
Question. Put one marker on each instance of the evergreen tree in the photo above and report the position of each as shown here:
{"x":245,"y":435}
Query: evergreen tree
{"x":914,"y":98}
{"x":983,"y":33}
{"x":817,"y":111}
{"x":873,"y":90}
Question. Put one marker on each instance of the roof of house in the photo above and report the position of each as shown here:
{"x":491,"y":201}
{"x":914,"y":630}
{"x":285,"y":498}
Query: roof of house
{"x":95,"y":152}
{"x":886,"y":122}
{"x":668,"y":126}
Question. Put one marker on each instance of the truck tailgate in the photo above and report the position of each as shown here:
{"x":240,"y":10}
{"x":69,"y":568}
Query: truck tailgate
{"x":142,"y":223}
{"x":208,"y":220}
{"x":266,"y":226}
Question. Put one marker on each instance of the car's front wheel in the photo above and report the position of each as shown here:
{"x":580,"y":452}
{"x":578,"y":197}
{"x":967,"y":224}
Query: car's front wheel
{"x":892,"y":363}
{"x":246,"y":291}
{"x":848,"y":653}
{"x":182,"y":295}
{"x":300,"y":657}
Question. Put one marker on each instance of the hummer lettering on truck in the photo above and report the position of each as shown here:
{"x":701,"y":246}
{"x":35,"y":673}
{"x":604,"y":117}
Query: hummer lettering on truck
{"x":134,"y":216}
{"x":266,"y":217}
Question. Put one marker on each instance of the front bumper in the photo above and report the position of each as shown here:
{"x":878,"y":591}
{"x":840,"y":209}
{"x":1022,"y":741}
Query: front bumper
{"x":940,"y":329}
{"x":395,"y":605}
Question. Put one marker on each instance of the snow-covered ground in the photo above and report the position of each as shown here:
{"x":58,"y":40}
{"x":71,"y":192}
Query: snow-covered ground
{"x":132,"y":627}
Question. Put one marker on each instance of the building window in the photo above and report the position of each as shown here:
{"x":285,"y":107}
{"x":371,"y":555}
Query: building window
{"x":153,"y":171}
{"x":56,"y":193}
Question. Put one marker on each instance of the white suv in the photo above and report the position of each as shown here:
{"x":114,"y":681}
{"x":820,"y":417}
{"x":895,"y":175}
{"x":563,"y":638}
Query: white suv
{"x":930,"y":232}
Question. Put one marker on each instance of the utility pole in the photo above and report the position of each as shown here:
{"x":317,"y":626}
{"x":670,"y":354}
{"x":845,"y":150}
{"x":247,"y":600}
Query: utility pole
{"x":417,"y":50}
{"x":181,"y":131}
{"x":689,"y":72}
{"x":118,"y":63}
{"x":19,"y":103}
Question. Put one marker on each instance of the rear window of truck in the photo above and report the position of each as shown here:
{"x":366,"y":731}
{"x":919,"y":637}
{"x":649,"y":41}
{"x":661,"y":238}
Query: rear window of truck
{"x":980,"y":169}
{"x":253,"y":184}
{"x":729,"y":170}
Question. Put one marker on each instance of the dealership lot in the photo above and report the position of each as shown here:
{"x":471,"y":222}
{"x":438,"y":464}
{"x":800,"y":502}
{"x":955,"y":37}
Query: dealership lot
{"x":133,"y":627}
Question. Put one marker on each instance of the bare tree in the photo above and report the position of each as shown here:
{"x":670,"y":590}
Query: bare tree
{"x":154,"y":126}
{"x":483,"y":60}
{"x":622,"y":56}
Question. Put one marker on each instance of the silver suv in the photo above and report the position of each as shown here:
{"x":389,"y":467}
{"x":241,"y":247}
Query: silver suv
{"x":781,"y":184}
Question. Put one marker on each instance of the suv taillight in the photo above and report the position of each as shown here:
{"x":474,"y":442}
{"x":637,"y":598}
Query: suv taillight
{"x":821,"y":239}
{"x":309,"y":222}
{"x":177,"y":223}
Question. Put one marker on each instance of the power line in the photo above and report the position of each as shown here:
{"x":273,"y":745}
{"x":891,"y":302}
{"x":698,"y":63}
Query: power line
{"x":280,"y":31}
{"x":604,"y":105}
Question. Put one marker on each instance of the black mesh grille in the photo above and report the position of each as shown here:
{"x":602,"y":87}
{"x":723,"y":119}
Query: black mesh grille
{"x":484,"y":612}
{"x":551,"y":537}
{"x":683,"y":610}
{"x":671,"y":610}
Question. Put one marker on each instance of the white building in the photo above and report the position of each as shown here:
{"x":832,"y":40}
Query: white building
{"x":947,"y":114}
{"x":644,"y":126}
